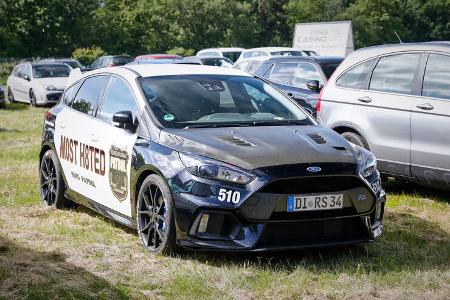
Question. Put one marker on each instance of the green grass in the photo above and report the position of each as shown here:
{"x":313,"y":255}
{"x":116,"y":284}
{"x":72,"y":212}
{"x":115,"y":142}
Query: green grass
{"x":77,"y":254}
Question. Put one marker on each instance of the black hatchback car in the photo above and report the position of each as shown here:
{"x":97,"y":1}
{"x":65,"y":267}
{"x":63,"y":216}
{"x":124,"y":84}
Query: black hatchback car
{"x":206,"y":158}
{"x":300,"y":77}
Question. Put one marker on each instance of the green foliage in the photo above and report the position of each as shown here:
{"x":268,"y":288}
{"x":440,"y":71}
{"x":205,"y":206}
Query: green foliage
{"x":86,"y":56}
{"x":181,"y":51}
{"x":6,"y":69}
{"x":55,"y":27}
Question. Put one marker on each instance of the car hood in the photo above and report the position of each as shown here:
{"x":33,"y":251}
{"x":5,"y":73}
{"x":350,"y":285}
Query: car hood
{"x":256,"y":147}
{"x":58,"y":82}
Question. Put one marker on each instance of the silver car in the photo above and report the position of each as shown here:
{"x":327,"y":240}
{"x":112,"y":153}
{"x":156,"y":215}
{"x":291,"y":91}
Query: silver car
{"x":395,"y":101}
{"x":37,"y":83}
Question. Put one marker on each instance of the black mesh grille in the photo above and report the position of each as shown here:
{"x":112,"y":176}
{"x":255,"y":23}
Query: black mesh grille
{"x":322,"y":184}
{"x":308,"y":215}
{"x":313,"y":232}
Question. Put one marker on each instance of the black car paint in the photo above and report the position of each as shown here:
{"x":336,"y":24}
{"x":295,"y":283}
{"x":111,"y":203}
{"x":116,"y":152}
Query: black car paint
{"x":305,"y":97}
{"x":273,"y":154}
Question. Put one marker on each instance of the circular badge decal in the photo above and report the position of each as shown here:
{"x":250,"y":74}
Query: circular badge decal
{"x":169,"y":117}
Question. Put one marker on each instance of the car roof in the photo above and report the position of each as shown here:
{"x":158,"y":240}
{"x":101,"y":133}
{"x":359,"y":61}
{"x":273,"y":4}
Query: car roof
{"x":319,"y":59}
{"x":158,"y":56}
{"x":270,"y":49}
{"x":50,"y":63}
{"x":151,"y":70}
{"x":225,"y":49}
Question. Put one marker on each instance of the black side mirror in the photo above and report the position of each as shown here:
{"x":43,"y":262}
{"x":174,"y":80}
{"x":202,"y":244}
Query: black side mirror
{"x":124,"y":119}
{"x":313,"y":85}
{"x":26,"y":77}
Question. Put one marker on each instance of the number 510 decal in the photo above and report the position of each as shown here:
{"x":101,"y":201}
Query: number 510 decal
{"x":229,"y":196}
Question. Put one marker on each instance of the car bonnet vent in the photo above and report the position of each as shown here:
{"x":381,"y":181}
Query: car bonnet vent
{"x":317,"y":138}
{"x":238,"y":141}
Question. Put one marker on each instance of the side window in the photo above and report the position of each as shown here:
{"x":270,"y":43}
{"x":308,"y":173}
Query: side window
{"x":88,"y":95}
{"x":118,"y":97}
{"x":282,"y":73}
{"x":18,"y":71}
{"x":241,"y":66}
{"x":70,"y":93}
{"x":436,"y":81}
{"x":304,"y":73}
{"x":248,"y":54}
{"x":395,"y":73}
{"x":27,"y":71}
{"x":254,"y":65}
{"x":354,"y":78}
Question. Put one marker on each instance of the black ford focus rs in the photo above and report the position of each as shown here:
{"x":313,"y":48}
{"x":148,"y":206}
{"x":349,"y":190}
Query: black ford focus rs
{"x":206,"y":158}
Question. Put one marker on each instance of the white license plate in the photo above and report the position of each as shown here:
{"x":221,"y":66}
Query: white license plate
{"x":315,"y":202}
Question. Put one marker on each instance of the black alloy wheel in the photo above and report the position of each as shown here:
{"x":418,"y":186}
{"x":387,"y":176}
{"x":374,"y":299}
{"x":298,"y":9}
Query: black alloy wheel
{"x":51,"y":182}
{"x":155,"y":222}
{"x":32,"y":99}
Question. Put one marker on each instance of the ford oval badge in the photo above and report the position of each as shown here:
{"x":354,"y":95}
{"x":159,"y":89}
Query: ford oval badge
{"x":314,"y":169}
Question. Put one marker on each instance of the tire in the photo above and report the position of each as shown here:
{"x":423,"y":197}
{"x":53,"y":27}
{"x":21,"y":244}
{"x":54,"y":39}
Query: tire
{"x":10,"y":96}
{"x":154,"y":216}
{"x":32,"y":99}
{"x":51,"y":183}
{"x":355,"y":138}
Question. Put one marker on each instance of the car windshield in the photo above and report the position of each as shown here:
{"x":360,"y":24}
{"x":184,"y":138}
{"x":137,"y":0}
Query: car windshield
{"x":189,"y":101}
{"x":287,"y":53}
{"x":233,"y":56}
{"x":121,"y":60}
{"x":73,"y":64}
{"x":219,"y":62}
{"x":48,"y":71}
{"x":328,"y":68}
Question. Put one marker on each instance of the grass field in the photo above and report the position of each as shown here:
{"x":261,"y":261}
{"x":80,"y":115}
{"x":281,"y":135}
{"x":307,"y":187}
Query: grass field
{"x":77,"y":254}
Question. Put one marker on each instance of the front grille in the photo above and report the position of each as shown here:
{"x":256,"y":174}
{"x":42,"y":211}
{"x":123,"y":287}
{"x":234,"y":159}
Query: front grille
{"x":53,"y":96}
{"x":314,"y":214}
{"x":313,"y":232}
{"x":319,"y":184}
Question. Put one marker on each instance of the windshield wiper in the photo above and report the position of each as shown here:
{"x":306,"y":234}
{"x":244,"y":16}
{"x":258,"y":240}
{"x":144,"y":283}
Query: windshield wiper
{"x":250,"y":123}
{"x":216,"y":125}
{"x":280,"y":122}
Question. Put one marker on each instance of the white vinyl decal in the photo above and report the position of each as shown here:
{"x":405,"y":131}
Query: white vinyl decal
{"x":229,"y":196}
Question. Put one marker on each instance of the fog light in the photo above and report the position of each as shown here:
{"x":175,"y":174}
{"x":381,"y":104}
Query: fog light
{"x":379,"y":210}
{"x":203,"y":223}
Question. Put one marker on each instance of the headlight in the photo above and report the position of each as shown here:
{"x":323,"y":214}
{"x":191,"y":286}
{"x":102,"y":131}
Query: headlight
{"x":50,"y":88}
{"x":211,"y":169}
{"x":366,"y":160}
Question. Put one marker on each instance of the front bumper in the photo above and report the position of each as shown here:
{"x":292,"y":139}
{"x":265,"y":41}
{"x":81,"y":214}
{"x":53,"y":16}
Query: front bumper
{"x":49,"y":97}
{"x":261,"y":222}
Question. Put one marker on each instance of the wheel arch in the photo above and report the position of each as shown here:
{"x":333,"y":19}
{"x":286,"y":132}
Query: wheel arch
{"x":346,"y":128}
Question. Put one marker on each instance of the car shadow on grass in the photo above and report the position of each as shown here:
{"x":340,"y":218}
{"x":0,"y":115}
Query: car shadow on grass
{"x":16,"y":106}
{"x":417,"y":190}
{"x":408,"y":243}
{"x":30,"y":274}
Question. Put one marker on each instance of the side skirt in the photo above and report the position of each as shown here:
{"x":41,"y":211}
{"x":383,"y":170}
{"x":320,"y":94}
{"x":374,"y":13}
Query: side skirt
{"x":101,"y":209}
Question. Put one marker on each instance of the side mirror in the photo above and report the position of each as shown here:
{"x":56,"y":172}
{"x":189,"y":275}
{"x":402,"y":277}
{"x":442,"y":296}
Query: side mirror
{"x":124,"y":119}
{"x":313,"y":85}
{"x":26,"y":77}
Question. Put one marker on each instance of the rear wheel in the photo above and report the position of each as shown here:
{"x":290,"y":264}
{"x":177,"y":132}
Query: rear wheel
{"x":155,"y":219}
{"x":10,"y":96}
{"x":355,"y":138}
{"x":51,"y":182}
{"x":32,"y":99}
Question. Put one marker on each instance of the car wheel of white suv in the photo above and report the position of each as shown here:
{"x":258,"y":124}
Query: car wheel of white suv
{"x":355,"y":138}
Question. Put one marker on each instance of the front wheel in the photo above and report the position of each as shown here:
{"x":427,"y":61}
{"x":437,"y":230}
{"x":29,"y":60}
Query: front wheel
{"x":155,"y":218}
{"x":10,"y":96}
{"x":32,"y":99}
{"x":355,"y":138}
{"x":51,"y":182}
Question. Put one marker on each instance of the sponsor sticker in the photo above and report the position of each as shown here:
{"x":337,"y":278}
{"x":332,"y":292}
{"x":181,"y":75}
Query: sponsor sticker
{"x":169,"y":117}
{"x":118,"y":172}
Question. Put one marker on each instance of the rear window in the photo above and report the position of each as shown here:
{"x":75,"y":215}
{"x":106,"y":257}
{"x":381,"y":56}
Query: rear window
{"x":287,"y":53}
{"x":329,"y":68}
{"x":218,"y":62}
{"x":88,"y":95}
{"x":355,"y":77}
{"x":436,"y":82}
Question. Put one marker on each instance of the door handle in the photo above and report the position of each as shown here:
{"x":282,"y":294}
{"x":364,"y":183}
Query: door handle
{"x":425,"y":106}
{"x":365,"y":99}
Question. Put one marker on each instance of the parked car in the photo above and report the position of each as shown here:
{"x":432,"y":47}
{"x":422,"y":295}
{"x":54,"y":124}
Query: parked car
{"x":216,"y":61}
{"x":37,"y":83}
{"x":206,"y":158}
{"x":301,"y":77}
{"x":230,"y":53}
{"x":250,"y":65}
{"x":310,"y":52}
{"x":2,"y":96}
{"x":73,"y":63}
{"x":146,"y":57}
{"x":269,"y":51}
{"x":110,"y":61}
{"x":163,"y":62}
{"x":395,"y":101}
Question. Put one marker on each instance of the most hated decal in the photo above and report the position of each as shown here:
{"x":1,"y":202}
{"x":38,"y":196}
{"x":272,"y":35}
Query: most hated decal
{"x":86,"y":156}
